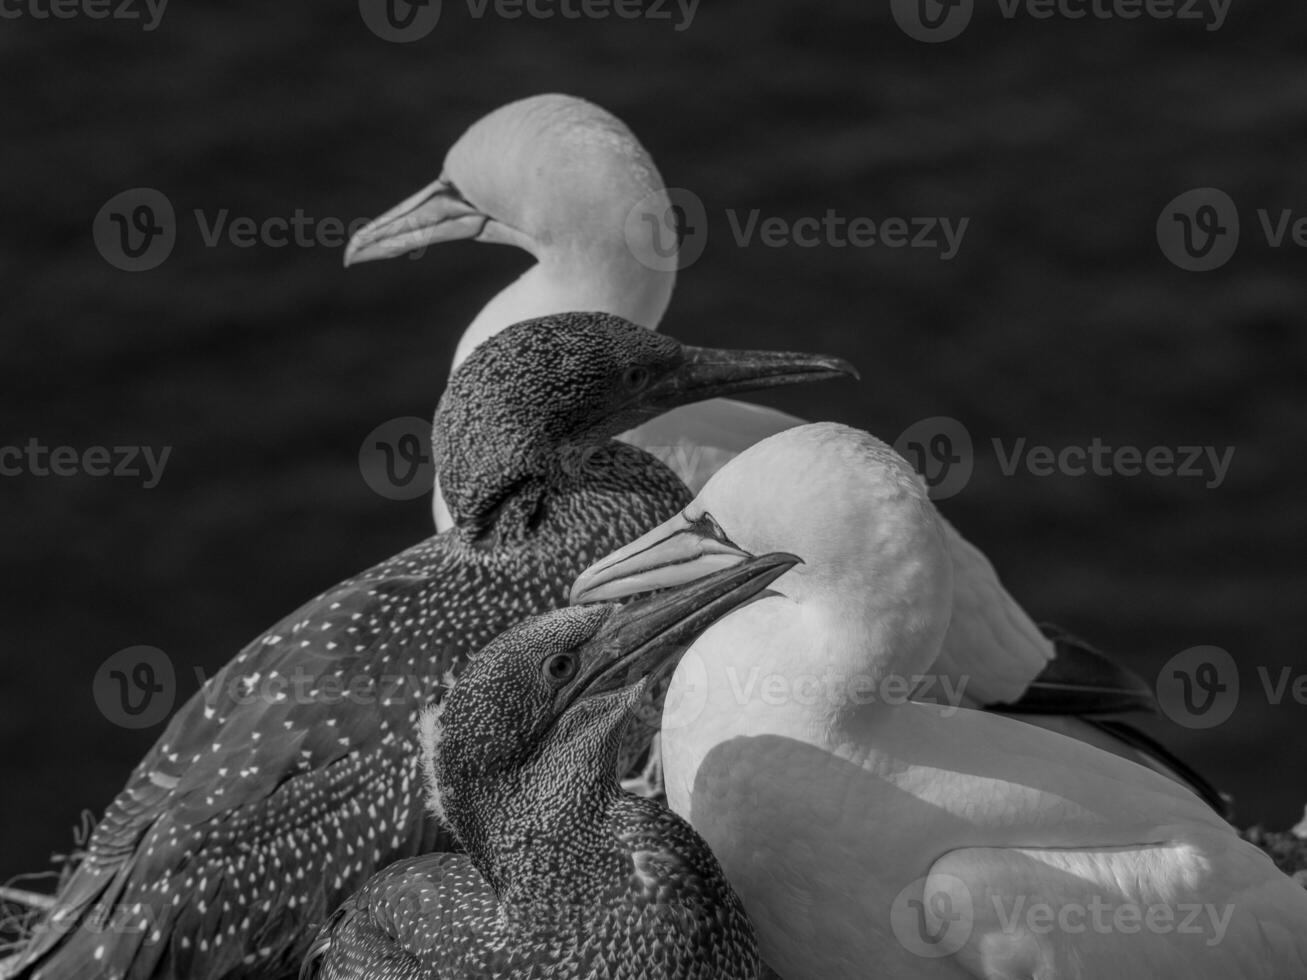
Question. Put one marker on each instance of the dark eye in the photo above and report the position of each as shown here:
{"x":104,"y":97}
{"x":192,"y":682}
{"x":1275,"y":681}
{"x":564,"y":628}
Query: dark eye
{"x":707,"y":525}
{"x":635,"y":378}
{"x":560,"y":668}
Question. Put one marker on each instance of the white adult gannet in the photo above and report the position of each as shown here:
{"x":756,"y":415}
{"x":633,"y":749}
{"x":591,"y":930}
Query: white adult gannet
{"x":568,"y":182}
{"x":871,"y":835}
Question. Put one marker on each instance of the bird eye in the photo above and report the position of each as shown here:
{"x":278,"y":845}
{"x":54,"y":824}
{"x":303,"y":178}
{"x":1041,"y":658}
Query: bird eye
{"x":635,"y":378}
{"x":707,"y":525}
{"x":560,"y":668}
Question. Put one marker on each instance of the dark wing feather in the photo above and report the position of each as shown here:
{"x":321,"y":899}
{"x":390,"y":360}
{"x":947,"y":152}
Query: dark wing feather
{"x":1080,"y":680}
{"x":262,"y":736}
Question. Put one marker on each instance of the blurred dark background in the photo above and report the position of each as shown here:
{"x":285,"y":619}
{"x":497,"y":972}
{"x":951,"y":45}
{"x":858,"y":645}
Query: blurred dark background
{"x":1059,"y":320}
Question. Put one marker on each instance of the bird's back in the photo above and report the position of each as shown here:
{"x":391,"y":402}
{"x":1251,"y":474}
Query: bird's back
{"x":292,"y":775}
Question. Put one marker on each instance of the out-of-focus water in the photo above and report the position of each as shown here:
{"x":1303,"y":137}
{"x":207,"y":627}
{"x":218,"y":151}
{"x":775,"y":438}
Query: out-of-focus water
{"x":1058,"y":321}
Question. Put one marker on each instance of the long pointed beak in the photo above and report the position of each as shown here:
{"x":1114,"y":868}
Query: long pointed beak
{"x":437,"y":213}
{"x":711,"y":373}
{"x":673,"y":554}
{"x":650,"y":634}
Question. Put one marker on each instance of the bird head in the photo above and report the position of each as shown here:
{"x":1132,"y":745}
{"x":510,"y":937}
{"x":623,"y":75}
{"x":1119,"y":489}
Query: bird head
{"x":562,"y":179}
{"x":549,"y":172}
{"x":558,"y":177}
{"x":874,"y":593}
{"x":533,"y":724}
{"x":543,"y":393}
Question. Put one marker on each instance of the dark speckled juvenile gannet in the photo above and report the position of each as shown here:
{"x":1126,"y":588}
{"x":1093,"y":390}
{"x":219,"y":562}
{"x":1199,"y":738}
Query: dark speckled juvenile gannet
{"x":565,"y":875}
{"x":292,"y":775}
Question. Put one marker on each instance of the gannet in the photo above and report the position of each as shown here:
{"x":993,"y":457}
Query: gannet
{"x":568,"y":182}
{"x":869,"y":834}
{"x":291,"y":776}
{"x":565,"y":876}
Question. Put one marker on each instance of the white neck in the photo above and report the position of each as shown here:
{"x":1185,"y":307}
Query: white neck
{"x":816,"y":671}
{"x":606,"y":280}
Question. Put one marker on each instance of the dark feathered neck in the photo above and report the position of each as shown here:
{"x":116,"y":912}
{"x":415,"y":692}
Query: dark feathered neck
{"x":581,"y":491}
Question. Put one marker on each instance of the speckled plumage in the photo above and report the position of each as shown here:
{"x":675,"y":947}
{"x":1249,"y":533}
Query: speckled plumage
{"x":292,"y":775}
{"x":437,"y":916}
{"x":566,"y":876}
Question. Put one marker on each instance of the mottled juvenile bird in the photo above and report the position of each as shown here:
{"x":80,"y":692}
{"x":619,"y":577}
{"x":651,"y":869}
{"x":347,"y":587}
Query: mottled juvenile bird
{"x":292,"y":775}
{"x":565,"y":875}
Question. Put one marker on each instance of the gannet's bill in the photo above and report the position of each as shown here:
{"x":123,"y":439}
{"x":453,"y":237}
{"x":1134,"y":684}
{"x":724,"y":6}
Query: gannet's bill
{"x":867,"y":832}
